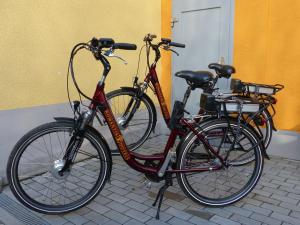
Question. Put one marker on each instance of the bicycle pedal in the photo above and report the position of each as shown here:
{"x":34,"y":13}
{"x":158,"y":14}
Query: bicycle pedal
{"x":148,"y":184}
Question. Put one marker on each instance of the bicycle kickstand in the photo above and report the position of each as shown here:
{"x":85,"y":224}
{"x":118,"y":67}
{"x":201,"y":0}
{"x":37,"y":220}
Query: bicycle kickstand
{"x":161,"y":192}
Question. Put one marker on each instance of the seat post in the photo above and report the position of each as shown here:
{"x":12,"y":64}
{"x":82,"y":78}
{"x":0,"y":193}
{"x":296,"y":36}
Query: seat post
{"x":187,"y":94}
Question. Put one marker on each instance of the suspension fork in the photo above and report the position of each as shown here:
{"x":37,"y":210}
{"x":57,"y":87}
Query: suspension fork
{"x":77,"y":138}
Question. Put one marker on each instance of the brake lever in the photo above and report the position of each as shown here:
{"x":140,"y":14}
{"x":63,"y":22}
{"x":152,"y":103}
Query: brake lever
{"x":167,"y":48}
{"x":174,"y":51}
{"x":110,"y":53}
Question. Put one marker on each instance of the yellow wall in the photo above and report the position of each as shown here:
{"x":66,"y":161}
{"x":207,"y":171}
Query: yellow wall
{"x":267,"y":50}
{"x":37,"y":37}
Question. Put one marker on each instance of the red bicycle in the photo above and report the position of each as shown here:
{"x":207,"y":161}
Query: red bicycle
{"x":136,"y":114}
{"x":61,"y":166}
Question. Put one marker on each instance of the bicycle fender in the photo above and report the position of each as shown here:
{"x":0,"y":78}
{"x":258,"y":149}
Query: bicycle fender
{"x":136,"y":90}
{"x":64,"y":119}
{"x":100,"y":136}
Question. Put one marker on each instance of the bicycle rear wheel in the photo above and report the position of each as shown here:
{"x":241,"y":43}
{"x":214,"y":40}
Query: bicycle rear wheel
{"x":34,"y":164}
{"x":230,"y":183}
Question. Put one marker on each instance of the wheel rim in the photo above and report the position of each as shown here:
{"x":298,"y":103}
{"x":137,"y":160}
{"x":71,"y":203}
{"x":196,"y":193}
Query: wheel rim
{"x":224,"y":186}
{"x":37,"y":181}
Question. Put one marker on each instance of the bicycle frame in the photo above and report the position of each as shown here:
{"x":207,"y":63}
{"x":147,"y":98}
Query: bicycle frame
{"x":153,"y":78}
{"x":100,"y":102}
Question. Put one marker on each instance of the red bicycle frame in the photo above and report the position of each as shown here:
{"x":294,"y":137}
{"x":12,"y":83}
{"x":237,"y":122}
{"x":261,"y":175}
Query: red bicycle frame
{"x":100,"y":101}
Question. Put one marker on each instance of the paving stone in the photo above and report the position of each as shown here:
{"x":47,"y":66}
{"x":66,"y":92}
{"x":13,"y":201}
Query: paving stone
{"x":111,"y":222}
{"x":276,"y":208}
{"x":98,"y":207}
{"x":117,"y":206}
{"x":118,"y":190}
{"x":199,"y":221}
{"x":252,"y":201}
{"x":137,"y":215}
{"x":293,"y":196}
{"x":290,"y":206}
{"x":119,"y":183}
{"x":218,"y":211}
{"x":135,"y":197}
{"x":178,"y":213}
{"x":244,"y":220}
{"x":54,"y":219}
{"x":135,"y":205}
{"x":263,"y":199}
{"x":295,"y":214}
{"x":177,"y":221}
{"x":102,"y":200}
{"x":116,"y":216}
{"x":262,"y":192}
{"x":90,"y":223}
{"x":133,"y":222}
{"x":257,"y":209}
{"x":201,"y":214}
{"x":118,"y":198}
{"x":265,"y":219}
{"x":290,"y":190}
{"x":96,"y":217}
{"x":275,"y":191}
{"x":240,"y":211}
{"x":163,"y":216}
{"x":83,"y":211}
{"x":282,"y":183}
{"x":284,"y":199}
{"x":223,"y":221}
{"x":175,"y":204}
{"x":155,"y":222}
{"x":75,"y":218}
{"x":285,"y":218}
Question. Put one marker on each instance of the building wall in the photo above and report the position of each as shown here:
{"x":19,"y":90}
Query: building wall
{"x":37,"y":37}
{"x":267,"y":50}
{"x":36,"y":41}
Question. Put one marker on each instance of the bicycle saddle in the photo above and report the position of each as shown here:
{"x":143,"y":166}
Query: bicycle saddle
{"x":222,"y":70}
{"x":198,"y":79}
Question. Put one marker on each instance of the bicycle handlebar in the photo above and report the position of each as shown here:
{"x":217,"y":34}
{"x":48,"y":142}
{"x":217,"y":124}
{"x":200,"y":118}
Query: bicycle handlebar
{"x":110,"y":43}
{"x":178,"y":45}
{"x":124,"y":46}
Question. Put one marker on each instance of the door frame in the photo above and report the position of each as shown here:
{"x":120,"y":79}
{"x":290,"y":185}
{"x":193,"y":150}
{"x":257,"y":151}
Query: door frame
{"x":230,"y":39}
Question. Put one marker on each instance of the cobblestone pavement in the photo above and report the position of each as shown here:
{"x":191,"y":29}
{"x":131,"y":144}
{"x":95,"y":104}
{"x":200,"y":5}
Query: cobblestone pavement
{"x":126,"y":200}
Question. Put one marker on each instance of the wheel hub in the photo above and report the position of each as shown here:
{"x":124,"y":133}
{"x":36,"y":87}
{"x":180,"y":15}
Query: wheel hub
{"x":57,"y":167}
{"x":121,"y":122}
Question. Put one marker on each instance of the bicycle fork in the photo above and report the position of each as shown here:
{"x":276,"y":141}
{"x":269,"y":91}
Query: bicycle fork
{"x":76,"y":139}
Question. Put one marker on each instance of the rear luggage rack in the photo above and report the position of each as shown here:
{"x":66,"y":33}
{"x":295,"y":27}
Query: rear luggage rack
{"x":238,"y":86}
{"x":211,"y":103}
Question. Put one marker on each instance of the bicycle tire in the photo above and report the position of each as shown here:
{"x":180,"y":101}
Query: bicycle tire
{"x":202,"y":195}
{"x":22,"y":182}
{"x":147,"y":109}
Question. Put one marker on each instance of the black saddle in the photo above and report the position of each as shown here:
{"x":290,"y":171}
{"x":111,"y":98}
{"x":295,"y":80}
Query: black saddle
{"x":222,"y":70}
{"x":198,"y":79}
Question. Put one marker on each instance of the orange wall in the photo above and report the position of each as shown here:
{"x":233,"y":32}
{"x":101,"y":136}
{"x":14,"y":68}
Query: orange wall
{"x":166,"y":81}
{"x":267,"y":50}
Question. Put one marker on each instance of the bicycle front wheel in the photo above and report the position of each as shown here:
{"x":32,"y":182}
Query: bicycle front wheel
{"x":231,"y":182}
{"x":34,"y":165}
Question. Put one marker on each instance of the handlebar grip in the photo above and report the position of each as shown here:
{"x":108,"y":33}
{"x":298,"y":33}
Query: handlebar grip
{"x":152,"y":35}
{"x":177,"y":45}
{"x":124,"y":46}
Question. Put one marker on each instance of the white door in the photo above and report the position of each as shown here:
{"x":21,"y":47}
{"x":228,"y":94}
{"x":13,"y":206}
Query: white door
{"x":206,"y":28}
